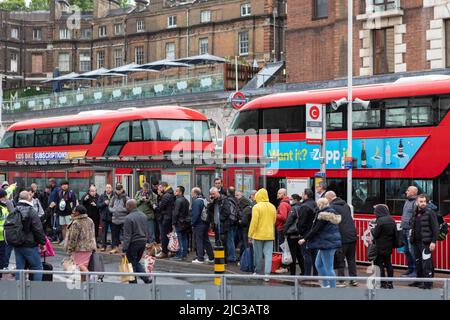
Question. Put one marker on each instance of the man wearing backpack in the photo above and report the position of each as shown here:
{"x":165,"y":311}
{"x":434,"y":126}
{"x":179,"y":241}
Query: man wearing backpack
{"x":424,"y":233}
{"x":64,"y":202}
{"x":219,"y":209}
{"x":181,"y":222}
{"x":245,"y":204}
{"x":235,"y":216}
{"x":24,"y":231}
{"x":200,"y":224}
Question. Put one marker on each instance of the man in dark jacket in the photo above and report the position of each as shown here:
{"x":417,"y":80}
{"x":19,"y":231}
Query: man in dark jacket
{"x":135,"y":237}
{"x":181,"y":222}
{"x":291,"y":232}
{"x":408,"y":212}
{"x":235,"y":216}
{"x":219,"y":210}
{"x":28,"y":252}
{"x":105,"y":214}
{"x":145,"y":199}
{"x":117,"y":206}
{"x":218,"y":184}
{"x":424,"y":234}
{"x":306,"y":214}
{"x":64,"y":202}
{"x":348,"y":236}
{"x":200,"y":223}
{"x":90,"y":203}
{"x":245,"y":204}
{"x":165,"y":210}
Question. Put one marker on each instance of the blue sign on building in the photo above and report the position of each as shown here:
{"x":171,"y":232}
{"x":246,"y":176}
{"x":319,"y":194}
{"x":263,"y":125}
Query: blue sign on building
{"x":378,"y":153}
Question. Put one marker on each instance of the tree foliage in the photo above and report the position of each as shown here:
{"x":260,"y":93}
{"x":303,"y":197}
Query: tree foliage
{"x":39,"y":5}
{"x":13,"y":5}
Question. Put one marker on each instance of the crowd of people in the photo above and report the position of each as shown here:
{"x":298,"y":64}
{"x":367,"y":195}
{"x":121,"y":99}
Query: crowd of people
{"x":318,"y":228}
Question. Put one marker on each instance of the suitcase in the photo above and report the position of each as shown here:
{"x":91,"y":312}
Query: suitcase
{"x":47,"y":267}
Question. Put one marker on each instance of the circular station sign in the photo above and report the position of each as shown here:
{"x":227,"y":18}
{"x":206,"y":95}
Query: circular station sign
{"x":314,"y":112}
{"x":238,"y":99}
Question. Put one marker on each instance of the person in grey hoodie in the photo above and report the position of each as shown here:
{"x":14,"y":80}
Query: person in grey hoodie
{"x":119,"y":212}
{"x":135,"y":237}
{"x":409,"y":209}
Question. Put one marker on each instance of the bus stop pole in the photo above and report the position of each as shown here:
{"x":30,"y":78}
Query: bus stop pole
{"x":350,"y":100}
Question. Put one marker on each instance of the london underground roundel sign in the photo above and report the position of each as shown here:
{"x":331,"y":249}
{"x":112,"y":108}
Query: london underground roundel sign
{"x":238,"y":99}
{"x":314,"y":112}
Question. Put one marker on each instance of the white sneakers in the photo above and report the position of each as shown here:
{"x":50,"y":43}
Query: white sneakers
{"x":281,"y":270}
{"x":196,"y":261}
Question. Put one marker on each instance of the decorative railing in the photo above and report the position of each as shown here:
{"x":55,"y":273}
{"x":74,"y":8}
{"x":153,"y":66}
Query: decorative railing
{"x":373,"y":6}
{"x":139,"y":90}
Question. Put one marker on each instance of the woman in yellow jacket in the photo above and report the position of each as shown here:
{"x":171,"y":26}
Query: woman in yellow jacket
{"x":262,"y":231}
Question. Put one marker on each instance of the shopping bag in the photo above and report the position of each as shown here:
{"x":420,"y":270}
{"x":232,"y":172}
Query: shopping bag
{"x":173,"y":245}
{"x":286,"y":257}
{"x":96,"y":263}
{"x":126,"y":267}
{"x":149,"y":263}
{"x":48,"y":251}
{"x":69,"y":265}
{"x":276,"y":262}
{"x":247,"y":264}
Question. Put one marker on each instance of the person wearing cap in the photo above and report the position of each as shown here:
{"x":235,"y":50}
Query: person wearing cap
{"x":384,"y":236}
{"x":3,"y":214}
{"x":64,"y":203}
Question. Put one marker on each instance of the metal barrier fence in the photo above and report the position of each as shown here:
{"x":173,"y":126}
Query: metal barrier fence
{"x":441,"y":253}
{"x":233,"y":287}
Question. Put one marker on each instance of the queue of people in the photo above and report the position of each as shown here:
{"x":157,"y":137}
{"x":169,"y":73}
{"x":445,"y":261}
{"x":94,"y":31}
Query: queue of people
{"x":318,"y":228}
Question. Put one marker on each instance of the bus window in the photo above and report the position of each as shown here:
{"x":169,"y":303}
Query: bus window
{"x":366,"y":194}
{"x":149,"y":130}
{"x":24,"y":138}
{"x":395,"y":192}
{"x":290,"y":119}
{"x":335,"y":119}
{"x":80,"y":135}
{"x":366,"y":117}
{"x":444,"y":192}
{"x":339,"y":186}
{"x":420,"y":112}
{"x":444,"y":106}
{"x":43,"y":137}
{"x":244,"y":121}
{"x":8,"y":140}
{"x":122,"y":133}
{"x":183,"y":130}
{"x":60,"y":136}
{"x":136,"y":131}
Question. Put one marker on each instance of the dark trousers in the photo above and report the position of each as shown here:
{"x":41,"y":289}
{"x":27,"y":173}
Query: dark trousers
{"x":424,"y":267}
{"x":202,"y":242}
{"x":134,"y":255}
{"x":106,"y":225}
{"x":116,"y":230}
{"x":296,"y":253}
{"x":96,"y":220}
{"x":3,"y":263}
{"x":157,"y":233}
{"x":384,"y":263}
{"x":309,"y":259}
{"x":346,"y":252}
{"x":242,"y":240}
{"x":164,"y":228}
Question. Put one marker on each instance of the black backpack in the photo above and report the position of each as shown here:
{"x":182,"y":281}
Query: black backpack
{"x":14,"y":231}
{"x":235,"y":211}
{"x":398,"y":237}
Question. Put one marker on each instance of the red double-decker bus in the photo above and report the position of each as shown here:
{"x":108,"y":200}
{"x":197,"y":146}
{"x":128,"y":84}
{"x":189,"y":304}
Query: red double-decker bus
{"x":153,"y":131}
{"x":399,"y":139}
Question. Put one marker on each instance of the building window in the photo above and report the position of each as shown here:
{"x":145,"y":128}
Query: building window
{"x":170,"y":51}
{"x":139,"y":55}
{"x":85,"y":34}
{"x":102,"y":31}
{"x":85,"y":61}
{"x":117,"y":29}
{"x":140,"y":26}
{"x":384,"y":5}
{"x":100,"y":59}
{"x":383,"y":51}
{"x":320,"y":9}
{"x":205,"y":16}
{"x":64,"y":62}
{"x":172,"y":21}
{"x":14,"y":33}
{"x":117,"y":58}
{"x":203,"y":46}
{"x":64,"y":34}
{"x":243,"y":43}
{"x":246,"y":10}
{"x":14,"y":62}
{"x":37,"y":34}
{"x":36,"y":63}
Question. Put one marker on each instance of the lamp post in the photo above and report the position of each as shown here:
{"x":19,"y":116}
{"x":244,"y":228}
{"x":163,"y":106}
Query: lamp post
{"x":350,"y":100}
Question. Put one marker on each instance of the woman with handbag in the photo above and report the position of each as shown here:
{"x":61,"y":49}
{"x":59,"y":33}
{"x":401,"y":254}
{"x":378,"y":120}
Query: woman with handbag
{"x":80,"y":239}
{"x":384,"y":236}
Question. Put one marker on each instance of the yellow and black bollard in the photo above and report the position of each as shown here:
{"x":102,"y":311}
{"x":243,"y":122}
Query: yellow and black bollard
{"x":219,"y":264}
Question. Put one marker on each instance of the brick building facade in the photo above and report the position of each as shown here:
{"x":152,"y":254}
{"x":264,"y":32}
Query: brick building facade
{"x":33,"y":44}
{"x":389,"y":36}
